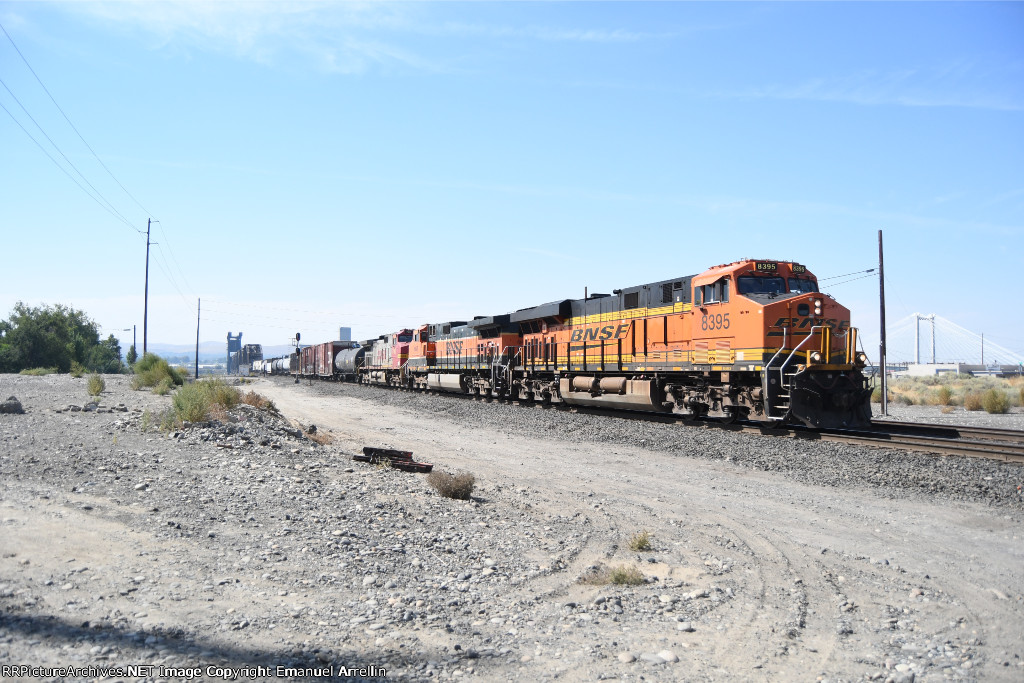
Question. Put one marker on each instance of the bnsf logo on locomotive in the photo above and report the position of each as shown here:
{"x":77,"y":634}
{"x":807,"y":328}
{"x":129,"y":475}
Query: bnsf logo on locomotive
{"x":807,"y":323}
{"x":600,"y":333}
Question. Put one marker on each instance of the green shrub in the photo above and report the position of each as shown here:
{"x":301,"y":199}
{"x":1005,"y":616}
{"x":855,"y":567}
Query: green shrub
{"x":77,"y":370}
{"x":147,"y":418}
{"x":168,"y":421}
{"x":905,"y":399}
{"x":96,"y":384}
{"x":640,"y":541}
{"x":457,"y":486}
{"x":944,"y":396}
{"x":151,"y":370}
{"x":629,"y":576}
{"x":37,"y":372}
{"x":876,"y":395}
{"x":194,"y":401}
{"x":995,"y":401}
{"x":972,"y":400}
{"x":165,"y":387}
{"x":223,"y":394}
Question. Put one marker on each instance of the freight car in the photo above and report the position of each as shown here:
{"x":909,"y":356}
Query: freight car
{"x":753,"y":339}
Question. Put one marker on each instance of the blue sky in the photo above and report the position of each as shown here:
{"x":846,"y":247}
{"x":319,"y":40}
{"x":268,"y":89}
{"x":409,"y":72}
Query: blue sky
{"x":383,"y":165}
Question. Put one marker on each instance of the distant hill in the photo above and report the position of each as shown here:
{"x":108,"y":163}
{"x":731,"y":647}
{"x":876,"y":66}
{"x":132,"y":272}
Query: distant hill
{"x":209,"y":351}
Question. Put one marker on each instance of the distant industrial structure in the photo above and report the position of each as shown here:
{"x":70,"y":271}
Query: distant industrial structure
{"x":240,"y":358}
{"x":344,"y":334}
{"x":930,"y":369}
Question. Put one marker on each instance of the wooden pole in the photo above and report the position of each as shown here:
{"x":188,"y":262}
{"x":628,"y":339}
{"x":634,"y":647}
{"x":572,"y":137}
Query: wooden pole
{"x":881,"y":344}
{"x":145,"y":303}
{"x":198,"y":304}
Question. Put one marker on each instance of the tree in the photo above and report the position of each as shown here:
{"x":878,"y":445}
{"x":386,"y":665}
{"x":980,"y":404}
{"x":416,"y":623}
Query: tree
{"x":50,"y":337}
{"x":132,"y":356}
{"x":105,"y":356}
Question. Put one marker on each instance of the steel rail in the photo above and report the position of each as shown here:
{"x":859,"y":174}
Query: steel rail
{"x":948,"y":431}
{"x":1006,"y":451}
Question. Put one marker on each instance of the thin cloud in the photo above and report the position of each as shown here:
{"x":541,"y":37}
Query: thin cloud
{"x":542,"y":33}
{"x":348,"y":37}
{"x":338,"y":36}
{"x":944,"y":87}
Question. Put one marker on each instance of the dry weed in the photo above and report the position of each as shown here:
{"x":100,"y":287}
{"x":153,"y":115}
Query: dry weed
{"x":640,"y":541}
{"x":457,"y":486}
{"x":622,"y":575}
{"x":320,"y":437}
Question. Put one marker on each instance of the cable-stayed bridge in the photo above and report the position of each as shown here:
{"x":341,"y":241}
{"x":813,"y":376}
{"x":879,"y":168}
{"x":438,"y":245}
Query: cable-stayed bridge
{"x":931,"y":338}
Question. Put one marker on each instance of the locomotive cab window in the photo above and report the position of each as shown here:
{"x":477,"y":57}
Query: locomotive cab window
{"x":802,"y":285}
{"x":756,"y":284}
{"x":716,"y":292}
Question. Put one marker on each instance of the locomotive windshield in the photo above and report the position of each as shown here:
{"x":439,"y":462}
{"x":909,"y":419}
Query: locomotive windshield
{"x":753,"y":284}
{"x":802,"y":285}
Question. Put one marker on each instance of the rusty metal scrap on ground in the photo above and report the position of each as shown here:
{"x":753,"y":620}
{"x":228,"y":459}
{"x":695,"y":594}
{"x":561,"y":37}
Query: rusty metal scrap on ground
{"x":400,"y":460}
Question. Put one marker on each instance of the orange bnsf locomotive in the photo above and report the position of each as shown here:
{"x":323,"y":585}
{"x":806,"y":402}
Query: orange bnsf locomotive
{"x":751,"y":340}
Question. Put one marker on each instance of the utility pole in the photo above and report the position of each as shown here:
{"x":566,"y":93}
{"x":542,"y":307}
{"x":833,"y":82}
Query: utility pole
{"x":145,"y":304}
{"x":881,"y":344}
{"x":198,"y":304}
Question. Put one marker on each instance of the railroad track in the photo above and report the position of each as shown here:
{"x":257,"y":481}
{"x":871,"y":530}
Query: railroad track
{"x":975,"y":442}
{"x":1006,"y":445}
{"x":948,"y":431}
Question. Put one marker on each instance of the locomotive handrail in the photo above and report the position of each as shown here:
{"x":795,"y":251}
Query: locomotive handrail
{"x":767,"y":369}
{"x":782,"y":370}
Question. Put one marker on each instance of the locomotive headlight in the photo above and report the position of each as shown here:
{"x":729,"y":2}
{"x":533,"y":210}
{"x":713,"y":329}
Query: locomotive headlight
{"x":816,"y":357}
{"x":817,"y":307}
{"x":861,"y":359}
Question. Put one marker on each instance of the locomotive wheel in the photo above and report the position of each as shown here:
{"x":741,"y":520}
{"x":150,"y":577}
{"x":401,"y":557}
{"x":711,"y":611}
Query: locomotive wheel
{"x":733,"y":416}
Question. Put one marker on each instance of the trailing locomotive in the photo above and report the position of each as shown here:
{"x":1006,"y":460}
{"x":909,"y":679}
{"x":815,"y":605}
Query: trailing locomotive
{"x":753,"y":339}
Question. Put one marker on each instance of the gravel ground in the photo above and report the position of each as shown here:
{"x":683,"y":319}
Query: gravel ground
{"x":243,"y":543}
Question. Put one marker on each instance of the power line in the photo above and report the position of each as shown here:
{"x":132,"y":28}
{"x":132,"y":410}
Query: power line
{"x":96,"y":156}
{"x":57,"y":164}
{"x":99,"y":194}
{"x":836,"y":284}
{"x":161,"y":261}
{"x":835,"y":277}
{"x":174,"y":258}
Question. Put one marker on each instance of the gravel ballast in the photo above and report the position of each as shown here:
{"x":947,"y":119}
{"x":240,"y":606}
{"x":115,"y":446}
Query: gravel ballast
{"x":243,"y":542}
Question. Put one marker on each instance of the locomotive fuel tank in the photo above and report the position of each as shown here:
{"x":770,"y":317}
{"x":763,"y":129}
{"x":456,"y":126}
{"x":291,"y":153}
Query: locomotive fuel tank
{"x":612,"y":392}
